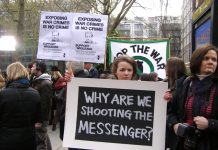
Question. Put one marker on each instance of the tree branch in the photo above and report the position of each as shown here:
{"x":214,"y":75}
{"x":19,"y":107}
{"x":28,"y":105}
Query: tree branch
{"x":94,"y":6}
{"x":114,"y":7}
{"x":7,"y":9}
{"x":55,"y":2}
{"x":139,"y":5}
{"x":125,"y":8}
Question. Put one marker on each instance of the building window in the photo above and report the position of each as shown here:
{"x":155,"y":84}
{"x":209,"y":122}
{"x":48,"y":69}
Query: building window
{"x":125,"y":26}
{"x":125,"y":33}
{"x":138,"y":26}
{"x":138,"y":33}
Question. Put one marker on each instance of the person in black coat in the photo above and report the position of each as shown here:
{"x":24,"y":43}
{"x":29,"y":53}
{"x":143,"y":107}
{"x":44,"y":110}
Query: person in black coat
{"x":56,"y":102}
{"x":92,"y":71}
{"x":193,"y":116}
{"x":175,"y":69}
{"x":19,"y":110}
{"x":43,"y":84}
{"x":78,"y":72}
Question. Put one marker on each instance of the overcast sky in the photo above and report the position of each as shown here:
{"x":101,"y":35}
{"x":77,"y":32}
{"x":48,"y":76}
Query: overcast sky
{"x":153,"y":8}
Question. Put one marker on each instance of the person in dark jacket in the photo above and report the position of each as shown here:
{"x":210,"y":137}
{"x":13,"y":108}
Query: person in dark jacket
{"x":194,"y":111}
{"x":19,"y":110}
{"x":43,"y":84}
{"x":56,"y":102}
{"x":175,"y":69}
{"x":92,"y":71}
{"x":76,"y":70}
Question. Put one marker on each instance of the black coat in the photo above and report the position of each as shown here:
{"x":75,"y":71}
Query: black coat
{"x":19,"y":111}
{"x":209,"y":136}
{"x":43,"y":85}
{"x":93,"y":73}
{"x":171,"y":138}
{"x":77,"y":74}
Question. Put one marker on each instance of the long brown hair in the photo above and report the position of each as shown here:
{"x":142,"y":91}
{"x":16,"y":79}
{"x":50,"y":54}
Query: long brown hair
{"x":175,"y":69}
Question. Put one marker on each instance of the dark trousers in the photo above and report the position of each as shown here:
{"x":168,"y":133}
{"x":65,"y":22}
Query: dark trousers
{"x":42,"y":139}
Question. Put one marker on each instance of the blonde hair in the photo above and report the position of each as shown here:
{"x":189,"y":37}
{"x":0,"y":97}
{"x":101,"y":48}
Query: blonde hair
{"x":2,"y":81}
{"x":16,"y":70}
{"x":57,"y":74}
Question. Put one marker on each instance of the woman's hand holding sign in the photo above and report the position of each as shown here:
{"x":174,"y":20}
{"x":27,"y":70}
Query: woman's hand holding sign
{"x":69,"y":73}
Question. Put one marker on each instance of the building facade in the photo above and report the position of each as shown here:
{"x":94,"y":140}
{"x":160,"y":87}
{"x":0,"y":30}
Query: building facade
{"x":186,"y":35}
{"x":167,"y":27}
{"x":154,"y":28}
{"x":133,"y":29}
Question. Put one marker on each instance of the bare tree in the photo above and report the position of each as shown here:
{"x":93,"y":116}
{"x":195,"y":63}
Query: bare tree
{"x":16,"y":11}
{"x":22,"y":16}
{"x":20,"y":28}
{"x":72,"y":5}
{"x":108,"y":7}
{"x":104,"y":7}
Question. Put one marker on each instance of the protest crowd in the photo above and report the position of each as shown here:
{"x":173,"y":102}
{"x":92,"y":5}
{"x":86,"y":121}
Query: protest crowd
{"x":31,"y":101}
{"x":170,"y":106}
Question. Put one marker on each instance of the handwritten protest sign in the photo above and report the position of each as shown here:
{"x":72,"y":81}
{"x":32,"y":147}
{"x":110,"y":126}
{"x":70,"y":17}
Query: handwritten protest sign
{"x":151,"y":56}
{"x":72,"y":36}
{"x":119,"y":115}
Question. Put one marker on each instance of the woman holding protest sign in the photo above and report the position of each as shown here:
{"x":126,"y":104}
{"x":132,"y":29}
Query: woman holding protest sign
{"x":124,"y":68}
{"x":193,"y":114}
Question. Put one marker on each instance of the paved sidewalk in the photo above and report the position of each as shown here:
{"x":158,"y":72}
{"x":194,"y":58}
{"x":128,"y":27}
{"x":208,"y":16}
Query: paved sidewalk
{"x":55,"y":140}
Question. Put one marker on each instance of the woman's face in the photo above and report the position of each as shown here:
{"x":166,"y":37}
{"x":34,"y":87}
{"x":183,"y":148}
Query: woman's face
{"x":124,"y":71}
{"x":209,"y":63}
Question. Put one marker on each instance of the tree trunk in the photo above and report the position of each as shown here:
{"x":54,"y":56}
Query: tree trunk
{"x":20,"y":30}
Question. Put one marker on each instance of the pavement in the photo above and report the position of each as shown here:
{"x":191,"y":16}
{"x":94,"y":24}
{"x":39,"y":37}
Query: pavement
{"x":55,"y":140}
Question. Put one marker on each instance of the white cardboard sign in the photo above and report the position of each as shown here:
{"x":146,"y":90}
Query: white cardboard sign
{"x":72,"y":36}
{"x":115,"y":114}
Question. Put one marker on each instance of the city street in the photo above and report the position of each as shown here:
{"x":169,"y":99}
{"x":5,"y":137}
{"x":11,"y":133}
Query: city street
{"x":55,"y":140}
